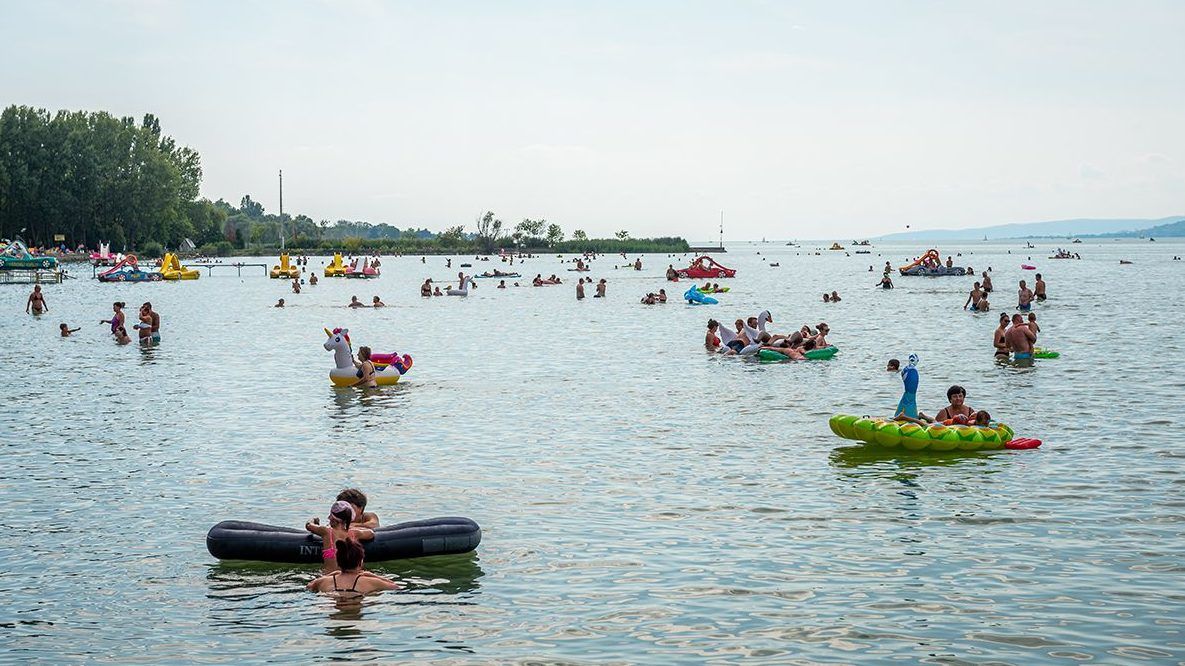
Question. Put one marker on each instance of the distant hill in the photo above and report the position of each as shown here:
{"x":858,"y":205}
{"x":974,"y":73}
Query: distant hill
{"x":1079,"y":227}
{"x":1170,"y":230}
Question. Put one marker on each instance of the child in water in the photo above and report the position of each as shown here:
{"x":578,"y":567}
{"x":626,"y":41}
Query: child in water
{"x":341,"y":516}
{"x":66,"y":330}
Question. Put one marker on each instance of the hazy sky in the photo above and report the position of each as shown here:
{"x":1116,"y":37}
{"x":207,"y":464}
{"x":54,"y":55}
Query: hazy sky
{"x":797,"y":119}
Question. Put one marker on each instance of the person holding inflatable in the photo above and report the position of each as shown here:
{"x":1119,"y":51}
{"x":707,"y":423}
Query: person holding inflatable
{"x":340,"y":528}
{"x":357,"y":500}
{"x":351,"y":578}
{"x":365,"y":369}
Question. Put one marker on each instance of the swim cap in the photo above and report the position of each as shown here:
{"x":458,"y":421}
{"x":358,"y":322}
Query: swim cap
{"x":913,"y":359}
{"x":340,"y":506}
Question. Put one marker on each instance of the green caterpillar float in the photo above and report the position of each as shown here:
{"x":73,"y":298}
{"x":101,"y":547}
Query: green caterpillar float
{"x":914,"y":437}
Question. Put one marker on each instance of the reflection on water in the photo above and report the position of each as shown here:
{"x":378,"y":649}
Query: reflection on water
{"x":640,"y":502}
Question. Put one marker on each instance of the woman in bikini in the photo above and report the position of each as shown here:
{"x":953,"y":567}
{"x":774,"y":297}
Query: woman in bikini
{"x":352,"y":578}
{"x":341,"y":515}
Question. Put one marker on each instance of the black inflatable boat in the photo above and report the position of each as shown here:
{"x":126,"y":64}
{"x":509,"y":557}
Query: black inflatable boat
{"x":241,"y":540}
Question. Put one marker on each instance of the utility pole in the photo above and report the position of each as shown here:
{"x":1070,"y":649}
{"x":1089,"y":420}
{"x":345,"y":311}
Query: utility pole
{"x":281,"y":210}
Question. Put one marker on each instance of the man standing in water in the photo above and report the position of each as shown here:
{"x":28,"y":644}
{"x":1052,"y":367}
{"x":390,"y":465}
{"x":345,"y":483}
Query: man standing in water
{"x":1020,"y":339}
{"x":154,"y":320}
{"x":1024,"y":297}
{"x":1040,"y":288}
{"x":36,"y":302}
{"x":987,"y":283}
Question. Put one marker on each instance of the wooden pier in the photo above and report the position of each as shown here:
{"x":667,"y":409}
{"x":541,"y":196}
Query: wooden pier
{"x":31,"y":276}
{"x":236,"y":265}
{"x":708,"y":248}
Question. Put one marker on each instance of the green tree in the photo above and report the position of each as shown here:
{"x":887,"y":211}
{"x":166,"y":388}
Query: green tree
{"x":622,"y":235}
{"x":579,"y":235}
{"x":489,"y":229}
{"x":252,"y":209}
{"x":554,"y":234}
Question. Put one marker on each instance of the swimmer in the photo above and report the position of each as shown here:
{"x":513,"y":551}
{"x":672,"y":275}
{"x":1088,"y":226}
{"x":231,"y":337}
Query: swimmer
{"x":312,"y":278}
{"x":501,"y":284}
{"x":116,"y":319}
{"x":121,"y":336}
{"x":66,"y":330}
{"x":600,"y":289}
{"x":355,"y":303}
{"x":341,"y":518}
{"x":1024,"y":297}
{"x":1032,"y":324}
{"x":987,"y":282}
{"x":145,"y":326}
{"x":957,"y":396}
{"x":733,"y":343}
{"x":672,"y":274}
{"x":999,"y":340}
{"x":950,"y":263}
{"x":648,"y":299}
{"x":662,"y":295}
{"x":426,"y":288}
{"x":886,"y":282}
{"x":154,"y":320}
{"x":893,"y":366}
{"x":36,"y":302}
{"x":376,"y":303}
{"x":821,"y":338}
{"x":826,"y":297}
{"x":357,"y":499}
{"x":365,"y":369}
{"x":580,"y":290}
{"x":279,"y":304}
{"x":983,"y":305}
{"x":1020,"y":339}
{"x":973,"y":297}
{"x":295,"y":286}
{"x":1039,"y":288}
{"x":835,"y":297}
{"x":352,"y":577}
{"x":711,"y":340}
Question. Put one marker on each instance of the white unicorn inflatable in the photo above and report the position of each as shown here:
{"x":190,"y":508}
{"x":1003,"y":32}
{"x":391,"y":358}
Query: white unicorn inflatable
{"x":388,"y":368}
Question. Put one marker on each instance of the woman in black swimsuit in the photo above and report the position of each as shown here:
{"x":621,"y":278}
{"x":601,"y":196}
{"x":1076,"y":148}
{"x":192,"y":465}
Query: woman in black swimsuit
{"x":352,"y":579}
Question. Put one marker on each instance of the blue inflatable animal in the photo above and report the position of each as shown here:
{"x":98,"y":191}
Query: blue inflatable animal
{"x":908,"y":405}
{"x":695,"y":296}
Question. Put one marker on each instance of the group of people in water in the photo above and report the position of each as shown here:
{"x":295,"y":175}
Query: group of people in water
{"x":147,"y":327}
{"x":751,"y":335}
{"x":343,"y":556}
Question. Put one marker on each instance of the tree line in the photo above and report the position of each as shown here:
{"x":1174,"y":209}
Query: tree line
{"x":91,"y":177}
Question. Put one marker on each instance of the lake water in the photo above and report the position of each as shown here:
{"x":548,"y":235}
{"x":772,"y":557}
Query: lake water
{"x":642,"y":501}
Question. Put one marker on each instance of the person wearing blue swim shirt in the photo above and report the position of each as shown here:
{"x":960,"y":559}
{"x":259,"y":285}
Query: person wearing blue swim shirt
{"x":907,"y":407}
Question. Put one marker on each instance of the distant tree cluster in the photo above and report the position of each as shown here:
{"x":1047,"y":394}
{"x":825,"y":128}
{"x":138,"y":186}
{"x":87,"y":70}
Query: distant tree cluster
{"x":92,"y":176}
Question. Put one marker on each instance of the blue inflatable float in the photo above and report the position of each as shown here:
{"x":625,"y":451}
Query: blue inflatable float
{"x":696,"y":297}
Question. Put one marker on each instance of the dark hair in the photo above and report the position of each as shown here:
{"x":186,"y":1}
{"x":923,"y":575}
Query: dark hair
{"x":349,"y":553}
{"x":712,"y":323}
{"x":346,"y":517}
{"x":983,"y":415}
{"x":121,"y":304}
{"x":955,"y":390}
{"x":895,"y":362}
{"x":353,"y":496}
